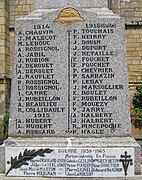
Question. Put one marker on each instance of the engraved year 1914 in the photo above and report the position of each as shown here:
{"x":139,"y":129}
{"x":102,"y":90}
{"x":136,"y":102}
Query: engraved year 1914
{"x":41,"y":26}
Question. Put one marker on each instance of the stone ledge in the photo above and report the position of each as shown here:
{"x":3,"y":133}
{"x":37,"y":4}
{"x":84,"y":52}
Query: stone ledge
{"x":2,"y":177}
{"x":74,"y":142}
{"x":47,"y":4}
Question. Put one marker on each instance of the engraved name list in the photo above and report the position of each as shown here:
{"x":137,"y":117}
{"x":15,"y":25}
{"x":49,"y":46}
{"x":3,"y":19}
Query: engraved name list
{"x":84,"y":100}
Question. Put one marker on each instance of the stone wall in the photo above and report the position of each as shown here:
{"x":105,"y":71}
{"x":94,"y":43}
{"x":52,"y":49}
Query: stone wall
{"x":19,"y":8}
{"x":4,"y":59}
{"x":131,"y":10}
{"x":134,"y":53}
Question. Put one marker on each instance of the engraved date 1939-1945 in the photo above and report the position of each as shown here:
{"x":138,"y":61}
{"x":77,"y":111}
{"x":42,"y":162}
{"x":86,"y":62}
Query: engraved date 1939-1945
{"x":92,"y":150}
{"x":85,"y":151}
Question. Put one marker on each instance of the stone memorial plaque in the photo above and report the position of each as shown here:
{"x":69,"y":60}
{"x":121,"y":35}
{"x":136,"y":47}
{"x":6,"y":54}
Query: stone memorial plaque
{"x":70,"y":75}
{"x":70,"y":162}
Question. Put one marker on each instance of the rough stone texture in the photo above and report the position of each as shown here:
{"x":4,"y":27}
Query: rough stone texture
{"x":137,"y":133}
{"x":44,"y":4}
{"x":4,"y":39}
{"x":11,"y":50}
{"x":121,"y":110}
{"x":2,"y":98}
{"x":2,"y":159}
{"x":114,"y":41}
{"x":130,"y":9}
{"x":134,"y":53}
{"x":127,"y":142}
{"x":19,"y":8}
{"x":4,"y":58}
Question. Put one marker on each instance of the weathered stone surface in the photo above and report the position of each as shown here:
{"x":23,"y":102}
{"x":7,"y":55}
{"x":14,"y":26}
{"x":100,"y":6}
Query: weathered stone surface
{"x":2,"y":159}
{"x":70,"y":81}
{"x":76,"y":67}
{"x":45,"y":4}
{"x":77,"y":143}
{"x":76,"y":162}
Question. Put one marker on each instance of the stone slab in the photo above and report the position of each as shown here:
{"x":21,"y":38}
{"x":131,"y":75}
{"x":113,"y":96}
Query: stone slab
{"x":70,"y":162}
{"x":81,"y":143}
{"x":70,"y":75}
{"x":2,"y":177}
{"x":47,"y":4}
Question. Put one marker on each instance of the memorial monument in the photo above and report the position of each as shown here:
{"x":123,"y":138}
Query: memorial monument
{"x":69,"y":114}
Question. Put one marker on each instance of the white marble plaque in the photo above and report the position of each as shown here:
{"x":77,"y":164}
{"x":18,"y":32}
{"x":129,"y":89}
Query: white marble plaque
{"x":70,"y":162}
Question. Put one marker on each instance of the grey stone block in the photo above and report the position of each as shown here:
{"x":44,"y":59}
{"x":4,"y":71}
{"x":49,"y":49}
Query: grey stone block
{"x":52,"y":142}
{"x":100,"y":104}
{"x":47,"y":4}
